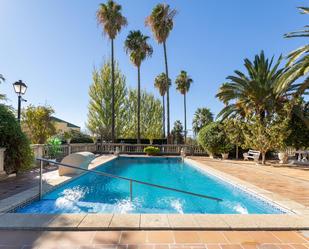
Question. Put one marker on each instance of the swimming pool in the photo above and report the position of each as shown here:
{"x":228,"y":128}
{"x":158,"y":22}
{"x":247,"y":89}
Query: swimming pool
{"x":92,"y":193}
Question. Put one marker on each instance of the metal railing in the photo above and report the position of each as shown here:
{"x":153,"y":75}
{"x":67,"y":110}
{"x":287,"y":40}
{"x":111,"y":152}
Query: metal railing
{"x":131,"y":181}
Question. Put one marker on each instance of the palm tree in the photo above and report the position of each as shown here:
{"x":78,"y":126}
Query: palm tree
{"x":298,"y":63}
{"x":183,"y":83}
{"x":110,"y":17}
{"x":160,"y":84}
{"x":254,"y":93}
{"x":138,"y":49}
{"x":202,"y":117}
{"x":161,"y":23}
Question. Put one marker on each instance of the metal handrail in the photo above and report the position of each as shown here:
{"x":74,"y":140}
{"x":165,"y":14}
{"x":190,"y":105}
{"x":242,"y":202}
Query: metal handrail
{"x":119,"y":177}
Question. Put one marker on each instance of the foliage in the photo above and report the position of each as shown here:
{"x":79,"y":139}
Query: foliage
{"x":177,"y":133}
{"x":110,"y":17}
{"x":54,"y":145}
{"x":161,"y":21}
{"x":213,"y":139}
{"x":18,"y":154}
{"x":183,"y":82}
{"x":75,"y":137}
{"x":254,"y":93}
{"x":299,"y":136}
{"x":151,"y":113}
{"x":100,"y":103}
{"x":137,"y":47}
{"x":37,"y":123}
{"x":263,"y":135}
{"x":298,"y":64}
{"x":150,"y":150}
{"x":161,"y":83}
{"x":202,"y":117}
{"x":67,"y":135}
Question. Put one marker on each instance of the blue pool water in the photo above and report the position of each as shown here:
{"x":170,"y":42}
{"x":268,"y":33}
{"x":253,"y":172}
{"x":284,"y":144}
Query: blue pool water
{"x":92,"y":193}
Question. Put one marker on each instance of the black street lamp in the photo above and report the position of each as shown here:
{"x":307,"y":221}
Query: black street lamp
{"x":20,"y":88}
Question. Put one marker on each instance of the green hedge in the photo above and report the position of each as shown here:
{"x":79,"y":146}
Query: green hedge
{"x":150,"y":150}
{"x":18,"y":154}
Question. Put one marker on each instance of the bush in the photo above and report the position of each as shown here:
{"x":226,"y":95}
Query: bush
{"x":79,"y":137}
{"x":54,"y":145}
{"x":18,"y":154}
{"x":213,"y":139}
{"x":150,"y":150}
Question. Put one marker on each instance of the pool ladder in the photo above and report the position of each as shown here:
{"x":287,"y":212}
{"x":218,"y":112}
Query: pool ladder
{"x":130,"y":180}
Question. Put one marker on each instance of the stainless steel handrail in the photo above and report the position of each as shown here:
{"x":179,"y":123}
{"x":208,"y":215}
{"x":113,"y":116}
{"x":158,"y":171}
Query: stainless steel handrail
{"x":119,"y":177}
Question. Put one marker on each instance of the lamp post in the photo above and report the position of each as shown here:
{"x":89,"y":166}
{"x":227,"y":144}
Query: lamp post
{"x":20,"y":88}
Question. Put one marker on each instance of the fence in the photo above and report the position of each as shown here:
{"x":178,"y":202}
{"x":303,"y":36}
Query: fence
{"x":42,"y":150}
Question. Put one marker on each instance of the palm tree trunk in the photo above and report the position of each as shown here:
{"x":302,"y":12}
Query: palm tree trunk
{"x":138,"y":105}
{"x":163,"y":115}
{"x":167,"y":92}
{"x":113,"y":93}
{"x":236,"y":152}
{"x":263,"y":158}
{"x":185,"y":110}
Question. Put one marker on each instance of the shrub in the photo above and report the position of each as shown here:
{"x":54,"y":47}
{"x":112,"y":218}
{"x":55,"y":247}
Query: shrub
{"x":79,"y":137}
{"x":53,"y":147}
{"x":150,"y":150}
{"x":18,"y":154}
{"x":213,"y":139}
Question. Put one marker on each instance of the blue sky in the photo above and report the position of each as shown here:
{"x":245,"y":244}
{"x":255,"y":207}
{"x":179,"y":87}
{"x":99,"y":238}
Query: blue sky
{"x":54,"y":45}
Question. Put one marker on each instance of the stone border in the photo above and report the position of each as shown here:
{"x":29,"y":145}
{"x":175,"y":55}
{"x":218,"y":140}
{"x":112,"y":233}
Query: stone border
{"x":298,"y":219}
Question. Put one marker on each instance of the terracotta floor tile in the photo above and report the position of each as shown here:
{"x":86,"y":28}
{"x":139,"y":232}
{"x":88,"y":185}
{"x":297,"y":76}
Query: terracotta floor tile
{"x":289,"y":237}
{"x":133,"y":246}
{"x":231,"y":246}
{"x":106,"y":237}
{"x":299,"y":246}
{"x":161,"y":246}
{"x":268,"y":246}
{"x":146,"y":247}
{"x":250,"y":245}
{"x":133,"y":237}
{"x":212,"y":237}
{"x":213,"y":246}
{"x":238,"y":237}
{"x":160,"y":237}
{"x":24,"y":237}
{"x":122,"y":247}
{"x":285,"y":247}
{"x":186,"y":237}
{"x":263,"y":237}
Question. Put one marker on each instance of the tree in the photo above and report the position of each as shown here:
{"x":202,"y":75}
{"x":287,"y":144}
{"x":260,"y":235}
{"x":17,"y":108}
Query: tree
{"x":100,"y":113}
{"x":18,"y":154}
{"x":254,"y":93}
{"x":183,"y":83}
{"x":162,"y":83}
{"x":213,"y":139}
{"x":233,"y":130}
{"x":137,"y":47}
{"x":298,"y":64}
{"x":161,"y":23}
{"x":151,"y":113}
{"x":110,"y":17}
{"x":299,"y":132}
{"x":177,"y":133}
{"x":37,"y":123}
{"x":202,"y":117}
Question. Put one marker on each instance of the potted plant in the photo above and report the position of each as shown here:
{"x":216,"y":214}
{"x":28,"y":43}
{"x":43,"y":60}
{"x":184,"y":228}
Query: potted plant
{"x":54,"y":145}
{"x":67,"y":135}
{"x":151,"y":150}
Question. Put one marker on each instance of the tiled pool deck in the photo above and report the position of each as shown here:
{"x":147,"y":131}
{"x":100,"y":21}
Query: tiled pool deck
{"x":296,"y":219}
{"x":153,"y":240}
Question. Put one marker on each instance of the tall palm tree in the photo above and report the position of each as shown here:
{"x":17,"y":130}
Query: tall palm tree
{"x":110,"y":17}
{"x":253,"y":93}
{"x":202,"y":117}
{"x":183,"y":83}
{"x":161,"y":23}
{"x":137,"y":47}
{"x":160,"y":84}
{"x":298,"y":63}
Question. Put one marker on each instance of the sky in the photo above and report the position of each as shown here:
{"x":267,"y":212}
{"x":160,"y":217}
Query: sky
{"x":53,"y":46}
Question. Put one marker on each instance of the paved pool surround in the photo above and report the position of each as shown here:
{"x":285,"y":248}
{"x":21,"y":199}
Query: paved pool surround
{"x":296,"y":218}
